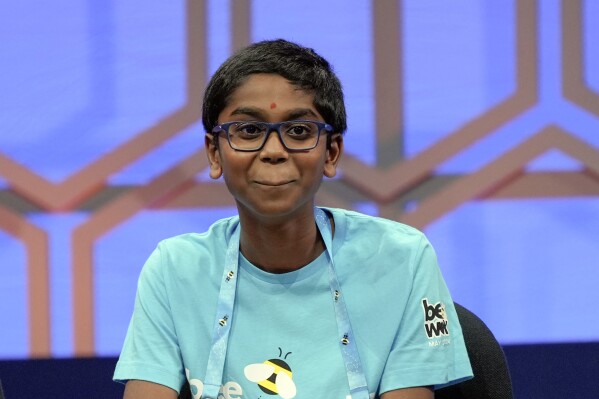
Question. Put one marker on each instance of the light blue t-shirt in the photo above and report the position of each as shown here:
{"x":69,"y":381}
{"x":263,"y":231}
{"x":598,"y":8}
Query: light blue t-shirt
{"x":402,"y":315}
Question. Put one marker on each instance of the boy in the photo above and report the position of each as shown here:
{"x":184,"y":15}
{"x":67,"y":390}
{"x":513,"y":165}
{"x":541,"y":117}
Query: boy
{"x":288,"y":300}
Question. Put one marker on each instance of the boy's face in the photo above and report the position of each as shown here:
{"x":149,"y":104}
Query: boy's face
{"x":272,"y":182}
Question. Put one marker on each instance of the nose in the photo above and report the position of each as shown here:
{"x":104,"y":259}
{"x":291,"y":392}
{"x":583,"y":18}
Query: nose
{"x":273,"y":150}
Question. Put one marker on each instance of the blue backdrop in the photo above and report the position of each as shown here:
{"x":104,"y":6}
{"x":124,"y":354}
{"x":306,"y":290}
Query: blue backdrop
{"x":78,"y":79}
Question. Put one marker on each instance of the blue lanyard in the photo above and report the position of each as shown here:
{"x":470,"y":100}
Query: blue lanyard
{"x":224,"y":313}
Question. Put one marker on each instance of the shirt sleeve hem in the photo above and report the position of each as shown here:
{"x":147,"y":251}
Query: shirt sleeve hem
{"x":144,"y":372}
{"x":437,"y":378}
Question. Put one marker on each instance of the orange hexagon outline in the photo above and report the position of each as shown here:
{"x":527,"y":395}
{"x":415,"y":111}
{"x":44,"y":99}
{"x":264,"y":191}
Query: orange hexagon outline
{"x":38,"y":295}
{"x":126,"y":206}
{"x":501,"y":172}
{"x":89,"y":180}
{"x":168,"y":184}
{"x":384,"y":185}
{"x":574,"y":86}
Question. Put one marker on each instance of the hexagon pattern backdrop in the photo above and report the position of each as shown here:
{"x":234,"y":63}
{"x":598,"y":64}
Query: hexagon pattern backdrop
{"x":477,"y":122}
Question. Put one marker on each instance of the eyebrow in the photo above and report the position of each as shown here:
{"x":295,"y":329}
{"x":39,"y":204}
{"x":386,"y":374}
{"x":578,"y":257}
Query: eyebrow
{"x":260,"y":115}
{"x":253,"y":112}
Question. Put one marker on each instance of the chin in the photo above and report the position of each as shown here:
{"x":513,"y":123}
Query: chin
{"x":275,"y":210}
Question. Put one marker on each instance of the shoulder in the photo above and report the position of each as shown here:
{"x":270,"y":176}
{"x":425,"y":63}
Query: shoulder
{"x":185,"y":253}
{"x":358,"y":226}
{"x":217,"y":235}
{"x":390,"y":245}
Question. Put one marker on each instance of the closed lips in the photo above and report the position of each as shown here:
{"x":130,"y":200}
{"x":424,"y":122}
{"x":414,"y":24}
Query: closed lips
{"x":272,"y":183}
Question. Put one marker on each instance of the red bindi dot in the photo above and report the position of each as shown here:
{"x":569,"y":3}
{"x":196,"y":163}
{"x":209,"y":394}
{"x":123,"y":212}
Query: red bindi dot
{"x":273,"y":105}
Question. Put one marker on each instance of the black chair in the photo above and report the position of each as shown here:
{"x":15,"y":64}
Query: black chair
{"x":491,"y":373}
{"x":185,"y":391}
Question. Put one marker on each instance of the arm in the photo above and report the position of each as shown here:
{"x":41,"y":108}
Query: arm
{"x":151,"y":350}
{"x":410,"y":393}
{"x":429,"y":348}
{"x":137,"y":389}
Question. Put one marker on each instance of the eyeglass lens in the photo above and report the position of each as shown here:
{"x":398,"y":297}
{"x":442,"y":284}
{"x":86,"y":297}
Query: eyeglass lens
{"x":296,"y":135}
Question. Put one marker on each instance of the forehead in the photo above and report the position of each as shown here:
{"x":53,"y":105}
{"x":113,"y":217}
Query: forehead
{"x":267,"y":88}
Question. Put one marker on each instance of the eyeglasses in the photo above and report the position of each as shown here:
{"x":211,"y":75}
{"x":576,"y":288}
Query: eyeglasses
{"x":251,"y":136}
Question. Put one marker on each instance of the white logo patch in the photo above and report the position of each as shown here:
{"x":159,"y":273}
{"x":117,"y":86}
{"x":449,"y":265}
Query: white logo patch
{"x":435,"y":319}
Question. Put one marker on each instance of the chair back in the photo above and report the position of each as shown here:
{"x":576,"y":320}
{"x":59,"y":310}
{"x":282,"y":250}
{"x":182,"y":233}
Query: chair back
{"x":491,"y":373}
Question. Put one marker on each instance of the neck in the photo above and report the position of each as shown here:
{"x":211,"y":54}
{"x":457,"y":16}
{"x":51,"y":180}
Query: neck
{"x":281,"y":247}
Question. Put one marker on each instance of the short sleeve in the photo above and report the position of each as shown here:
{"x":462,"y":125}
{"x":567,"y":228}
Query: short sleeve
{"x":429,"y":347}
{"x":151,"y":350}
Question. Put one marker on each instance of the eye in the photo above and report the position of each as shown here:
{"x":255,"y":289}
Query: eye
{"x":300,"y":130}
{"x":247,"y":129}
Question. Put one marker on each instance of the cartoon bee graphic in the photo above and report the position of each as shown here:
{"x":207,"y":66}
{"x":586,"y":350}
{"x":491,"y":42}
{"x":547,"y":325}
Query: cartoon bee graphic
{"x":345,"y":339}
{"x":273,"y":376}
{"x":230,"y":276}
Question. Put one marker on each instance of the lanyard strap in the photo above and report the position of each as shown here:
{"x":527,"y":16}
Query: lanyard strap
{"x":222,"y":323}
{"x":226,"y":299}
{"x":347,"y":343}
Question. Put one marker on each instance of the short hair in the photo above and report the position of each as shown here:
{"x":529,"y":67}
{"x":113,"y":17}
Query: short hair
{"x":301,"y":66}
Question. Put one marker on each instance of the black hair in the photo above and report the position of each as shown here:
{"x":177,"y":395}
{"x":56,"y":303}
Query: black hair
{"x":301,"y":66}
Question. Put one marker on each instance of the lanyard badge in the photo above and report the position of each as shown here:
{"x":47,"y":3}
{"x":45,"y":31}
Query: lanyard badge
{"x":226,"y":300}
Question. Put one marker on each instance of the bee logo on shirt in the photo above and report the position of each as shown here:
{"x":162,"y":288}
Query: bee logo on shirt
{"x":229,"y":276}
{"x":273,"y":376}
{"x":345,"y":339}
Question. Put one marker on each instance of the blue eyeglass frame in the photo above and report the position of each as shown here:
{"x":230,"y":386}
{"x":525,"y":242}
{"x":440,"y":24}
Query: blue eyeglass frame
{"x":273,"y":127}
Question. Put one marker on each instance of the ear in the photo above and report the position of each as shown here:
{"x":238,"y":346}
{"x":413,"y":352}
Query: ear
{"x":333,"y":155}
{"x":213,"y":153}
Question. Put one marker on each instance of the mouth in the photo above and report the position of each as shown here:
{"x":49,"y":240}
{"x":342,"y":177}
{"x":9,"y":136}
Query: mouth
{"x":273,"y":183}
